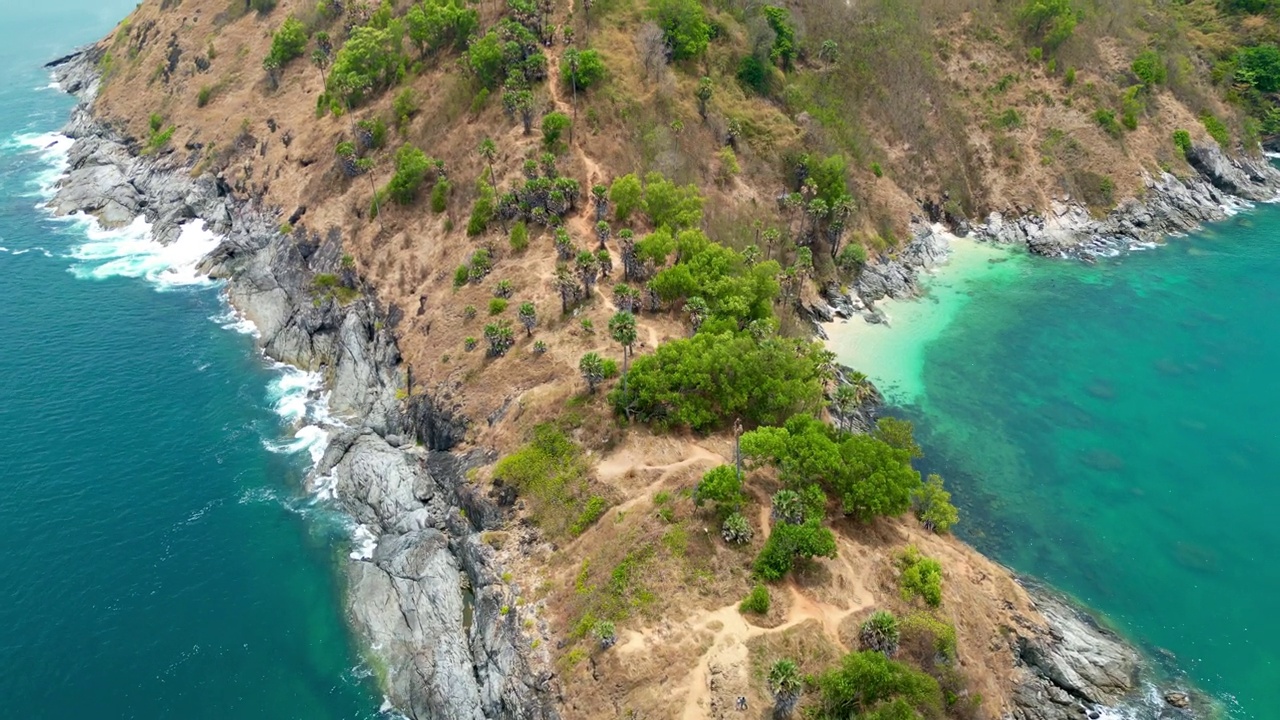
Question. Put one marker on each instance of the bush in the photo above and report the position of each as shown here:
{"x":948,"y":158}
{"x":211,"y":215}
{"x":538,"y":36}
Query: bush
{"x":921,"y":576}
{"x":783,"y":51}
{"x":461,"y":275}
{"x":204,"y":96}
{"x":880,"y":633}
{"x":404,"y":107}
{"x":705,"y":381}
{"x":1259,"y":67}
{"x":754,"y":74}
{"x":684,"y":25}
{"x":1216,"y":129}
{"x":1182,"y":141}
{"x":412,"y":166}
{"x":436,"y":24}
{"x":369,"y":61}
{"x":497,"y":306}
{"x":722,"y":487}
{"x":788,"y":543}
{"x":551,"y":473}
{"x":289,"y":42}
{"x":1149,"y":68}
{"x":519,"y":236}
{"x":440,"y":196}
{"x":933,"y":506}
{"x":1106,"y":120}
{"x":591,"y":512}
{"x":671,"y":205}
{"x":736,"y":530}
{"x":626,"y":194}
{"x":1049,"y":21}
{"x":590,"y":68}
{"x":757,"y":601}
{"x":482,"y":212}
{"x":867,"y":681}
{"x":262,"y":7}
{"x":553,"y":126}
{"x":922,"y":628}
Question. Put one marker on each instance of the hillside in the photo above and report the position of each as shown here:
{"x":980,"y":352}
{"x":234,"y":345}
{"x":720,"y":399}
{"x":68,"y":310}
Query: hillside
{"x":518,"y":183}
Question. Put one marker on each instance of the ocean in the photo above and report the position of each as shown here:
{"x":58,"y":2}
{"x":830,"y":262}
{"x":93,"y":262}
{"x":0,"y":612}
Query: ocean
{"x":1113,"y":429}
{"x":160,"y":558}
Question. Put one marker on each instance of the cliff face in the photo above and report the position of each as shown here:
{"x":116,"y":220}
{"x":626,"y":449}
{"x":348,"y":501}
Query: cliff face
{"x":408,"y":597}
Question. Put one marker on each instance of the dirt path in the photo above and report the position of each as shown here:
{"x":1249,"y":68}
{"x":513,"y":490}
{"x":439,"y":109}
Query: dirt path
{"x":624,"y":462}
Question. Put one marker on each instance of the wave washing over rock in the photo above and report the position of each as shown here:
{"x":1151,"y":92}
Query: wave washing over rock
{"x":418,"y":518}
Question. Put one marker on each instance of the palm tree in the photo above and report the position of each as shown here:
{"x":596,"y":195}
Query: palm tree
{"x":567,"y":284}
{"x":880,"y":633}
{"x":603,"y":231}
{"x":698,"y":311}
{"x":845,"y":403}
{"x":622,"y":328}
{"x":528,"y":317}
{"x":784,"y":684}
{"x":588,"y":270}
{"x":500,"y":338}
{"x":703,"y":93}
{"x":599,"y":193}
{"x":592,"y":368}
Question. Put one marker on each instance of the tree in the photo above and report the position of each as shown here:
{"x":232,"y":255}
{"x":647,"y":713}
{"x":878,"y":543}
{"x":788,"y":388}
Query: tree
{"x":898,"y":434}
{"x":528,"y":316}
{"x":845,"y":404}
{"x":932,"y":505}
{"x":520,"y":101}
{"x":588,"y":270}
{"x":500,"y":338}
{"x":592,"y":368}
{"x":668,"y":204}
{"x":287,"y":43}
{"x":553,"y":126}
{"x":880,"y":633}
{"x":1259,"y":67}
{"x":580,"y":70}
{"x":436,"y":24}
{"x":864,"y":680}
{"x":714,"y":377}
{"x":703,"y":93}
{"x":721,"y":486}
{"x":567,"y":285}
{"x":698,"y":312}
{"x":784,"y":36}
{"x":684,"y":25}
{"x":1049,"y":21}
{"x":412,"y":166}
{"x":1149,"y":68}
{"x":622,"y":328}
{"x":369,"y":60}
{"x":626,"y":194}
{"x":785,"y":686}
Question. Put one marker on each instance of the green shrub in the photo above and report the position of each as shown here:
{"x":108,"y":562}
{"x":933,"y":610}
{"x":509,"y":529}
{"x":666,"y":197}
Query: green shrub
{"x":589,"y":68}
{"x":469,"y":312}
{"x":670,"y":205}
{"x":368,"y":62}
{"x":757,"y":601}
{"x":921,"y":576}
{"x":553,"y":126}
{"x":497,"y":306}
{"x":868,"y":681}
{"x":880,"y":633}
{"x":722,"y":487}
{"x":204,"y":96}
{"x":519,"y":236}
{"x":1069,"y":78}
{"x":1106,"y":119}
{"x":877,"y":170}
{"x":1009,"y":119}
{"x":924,"y":628}
{"x":439,"y":196}
{"x":461,"y":275}
{"x":591,"y":512}
{"x":1216,"y":129}
{"x":789,"y":543}
{"x":1050,"y":21}
{"x":412,"y":166}
{"x":434,"y":25}
{"x":626,"y":193}
{"x":1182,"y":141}
{"x":1149,"y":68}
{"x":754,"y":74}
{"x":736,"y":530}
{"x":1259,"y":67}
{"x":289,"y":42}
{"x":551,"y":473}
{"x":684,"y":24}
{"x":483,"y":210}
{"x":932,"y":504}
{"x":783,"y":52}
{"x":404,"y":107}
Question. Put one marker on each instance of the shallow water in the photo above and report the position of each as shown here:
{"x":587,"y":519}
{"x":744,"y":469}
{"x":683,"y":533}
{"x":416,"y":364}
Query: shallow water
{"x":1114,"y":429}
{"x":160,"y":558}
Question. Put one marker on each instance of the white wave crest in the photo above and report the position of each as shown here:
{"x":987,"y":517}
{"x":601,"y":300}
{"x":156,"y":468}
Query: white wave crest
{"x":131,"y":251}
{"x":363,"y":543}
{"x":234,"y":321}
{"x":53,"y":150}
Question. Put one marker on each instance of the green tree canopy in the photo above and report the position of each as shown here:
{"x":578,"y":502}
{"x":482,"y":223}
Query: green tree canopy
{"x":1259,"y":66}
{"x":437,"y":24}
{"x":581,"y":69}
{"x":369,"y":61}
{"x":789,"y":543}
{"x":722,"y":487}
{"x":708,"y":380}
{"x":732,"y":289}
{"x":684,"y":25}
{"x":868,"y":682}
{"x":671,"y":205}
{"x":287,"y":43}
{"x":1050,"y":22}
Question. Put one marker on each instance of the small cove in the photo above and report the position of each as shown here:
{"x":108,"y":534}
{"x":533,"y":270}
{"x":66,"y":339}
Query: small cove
{"x":1111,"y":429}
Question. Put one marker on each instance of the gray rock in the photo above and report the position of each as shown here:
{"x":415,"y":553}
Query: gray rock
{"x":407,"y":602}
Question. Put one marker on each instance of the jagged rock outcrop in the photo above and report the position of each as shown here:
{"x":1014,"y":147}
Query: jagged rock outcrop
{"x":446,"y":657}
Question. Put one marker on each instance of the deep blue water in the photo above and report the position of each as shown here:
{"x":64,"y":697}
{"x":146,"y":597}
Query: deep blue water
{"x":158,"y":559}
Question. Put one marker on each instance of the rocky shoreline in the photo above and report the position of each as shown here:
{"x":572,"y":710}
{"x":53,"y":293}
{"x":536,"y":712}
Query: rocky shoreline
{"x":1169,"y":206}
{"x":430,"y":601}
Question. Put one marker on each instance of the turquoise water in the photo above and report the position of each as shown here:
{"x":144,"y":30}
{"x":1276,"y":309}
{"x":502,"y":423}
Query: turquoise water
{"x":1115,"y":430}
{"x":159,"y":560}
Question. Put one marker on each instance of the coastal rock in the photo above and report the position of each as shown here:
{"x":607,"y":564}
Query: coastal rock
{"x":406,"y":600}
{"x":1074,"y":668}
{"x":896,"y":277}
